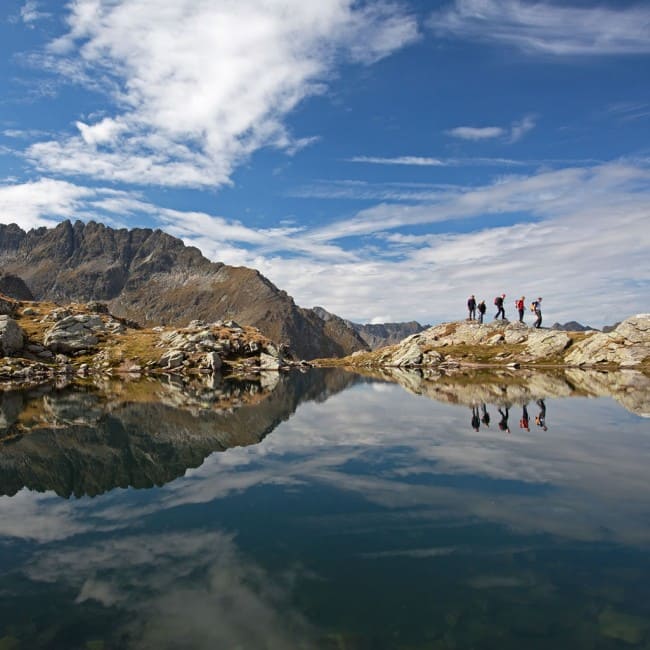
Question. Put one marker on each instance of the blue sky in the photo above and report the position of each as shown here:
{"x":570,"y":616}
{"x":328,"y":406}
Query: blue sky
{"x":382,"y":160}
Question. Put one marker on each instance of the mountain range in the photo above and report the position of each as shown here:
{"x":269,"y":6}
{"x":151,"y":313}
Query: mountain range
{"x":153,"y":278}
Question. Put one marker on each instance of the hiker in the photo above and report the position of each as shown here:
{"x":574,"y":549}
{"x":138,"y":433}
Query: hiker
{"x":481,"y":310}
{"x":540,"y":418}
{"x":476,"y":421}
{"x":537,"y":308}
{"x":498,"y":301}
{"x":521,"y":306}
{"x":471,"y":307}
{"x":486,"y":416}
{"x":503,"y":423}
{"x":524,"y":422}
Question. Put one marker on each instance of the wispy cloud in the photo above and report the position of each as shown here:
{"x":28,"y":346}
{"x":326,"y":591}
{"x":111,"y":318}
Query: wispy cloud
{"x":514,"y":133}
{"x":30,"y":12}
{"x":199,"y":86}
{"x":577,"y":236}
{"x":628,"y":111}
{"x":418,"y":161}
{"x":545,"y":28}
{"x":476,"y":132}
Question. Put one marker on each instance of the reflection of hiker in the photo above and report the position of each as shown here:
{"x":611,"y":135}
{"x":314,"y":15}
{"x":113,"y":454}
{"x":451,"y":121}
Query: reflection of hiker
{"x":471,"y":307}
{"x":486,"y":416}
{"x":503,"y":423}
{"x":537,"y":308}
{"x":481,"y":310}
{"x":498,"y":301}
{"x":521,"y":306}
{"x":523,"y":423}
{"x":540,"y":419}
{"x":476,"y":421}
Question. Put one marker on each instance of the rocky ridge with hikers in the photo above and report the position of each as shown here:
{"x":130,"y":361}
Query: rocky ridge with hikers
{"x":499,"y":342}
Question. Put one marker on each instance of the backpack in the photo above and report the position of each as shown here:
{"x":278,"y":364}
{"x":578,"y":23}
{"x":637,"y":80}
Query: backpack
{"x":533,"y":306}
{"x":496,"y":300}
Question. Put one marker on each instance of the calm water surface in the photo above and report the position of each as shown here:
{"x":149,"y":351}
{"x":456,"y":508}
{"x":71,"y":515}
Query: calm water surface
{"x":326,"y":511}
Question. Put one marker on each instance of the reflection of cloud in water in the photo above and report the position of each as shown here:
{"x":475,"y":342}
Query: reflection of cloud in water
{"x":189,"y":590}
{"x":584,"y":478}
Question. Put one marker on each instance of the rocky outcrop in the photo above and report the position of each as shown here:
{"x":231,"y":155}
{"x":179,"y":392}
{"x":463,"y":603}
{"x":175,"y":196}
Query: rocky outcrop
{"x":501,"y":342}
{"x":11,"y":336}
{"x":626,"y":346}
{"x":74,"y":333}
{"x":152,"y":278}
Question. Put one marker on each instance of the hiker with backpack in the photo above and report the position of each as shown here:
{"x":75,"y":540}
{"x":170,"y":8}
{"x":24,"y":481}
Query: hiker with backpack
{"x":536,"y":306}
{"x":482,"y":308}
{"x":471,"y":307}
{"x":498,"y":301}
{"x":521,"y":307}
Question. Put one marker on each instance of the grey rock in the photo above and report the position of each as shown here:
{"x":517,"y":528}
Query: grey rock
{"x":627,"y":346}
{"x":11,"y":336}
{"x":212,"y":361}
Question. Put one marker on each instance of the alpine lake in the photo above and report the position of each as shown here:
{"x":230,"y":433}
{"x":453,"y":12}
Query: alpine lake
{"x":328,"y":510}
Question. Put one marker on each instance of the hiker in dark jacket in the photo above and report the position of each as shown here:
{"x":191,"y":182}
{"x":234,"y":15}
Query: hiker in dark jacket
{"x":471,"y":307}
{"x":540,"y":419}
{"x":498,"y":301}
{"x":476,"y":420}
{"x":537,"y":308}
{"x":503,"y":423}
{"x":482,"y":308}
{"x":486,"y":416}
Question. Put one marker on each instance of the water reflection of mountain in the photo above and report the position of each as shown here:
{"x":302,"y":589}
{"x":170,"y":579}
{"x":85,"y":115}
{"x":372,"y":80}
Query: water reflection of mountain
{"x":140,"y":434}
{"x":508,"y":387}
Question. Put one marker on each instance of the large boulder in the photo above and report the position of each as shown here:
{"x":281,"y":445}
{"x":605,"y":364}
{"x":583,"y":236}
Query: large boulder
{"x":11,"y":336}
{"x":628,"y":345}
{"x":74,"y":333}
{"x":543,"y":344}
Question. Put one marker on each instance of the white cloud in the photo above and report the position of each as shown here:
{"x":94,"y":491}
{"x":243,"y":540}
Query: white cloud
{"x":519,"y":129}
{"x":30,"y":13}
{"x":545,"y":28}
{"x":201,"y":85}
{"x":514,"y":133}
{"x":418,"y":161}
{"x":476,"y":132}
{"x":577,"y":236}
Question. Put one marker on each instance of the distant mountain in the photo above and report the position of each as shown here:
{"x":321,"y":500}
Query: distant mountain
{"x":572,"y":326}
{"x":375,"y":336}
{"x":155,"y":279}
{"x":610,"y":328}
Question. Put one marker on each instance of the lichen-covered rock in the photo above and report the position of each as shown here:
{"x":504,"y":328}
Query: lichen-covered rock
{"x":172,"y":359}
{"x":11,"y":336}
{"x":74,"y":333}
{"x":542,"y":344}
{"x":628,"y":345}
{"x":212,"y":361}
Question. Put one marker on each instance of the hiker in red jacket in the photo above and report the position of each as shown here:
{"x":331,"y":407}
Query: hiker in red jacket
{"x":521,"y":307}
